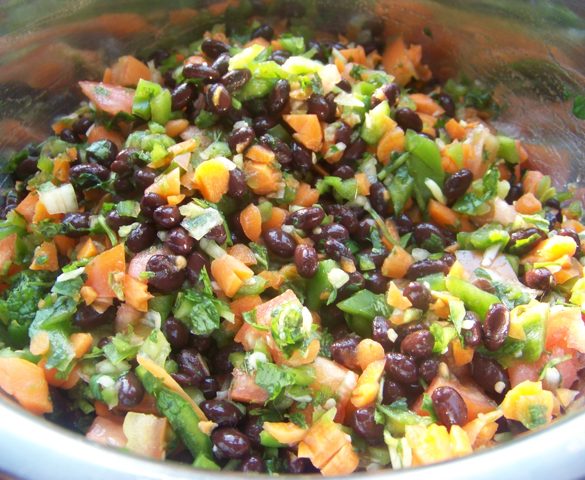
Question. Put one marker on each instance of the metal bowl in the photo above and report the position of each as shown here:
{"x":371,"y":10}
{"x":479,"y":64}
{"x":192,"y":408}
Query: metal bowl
{"x":531,"y":52}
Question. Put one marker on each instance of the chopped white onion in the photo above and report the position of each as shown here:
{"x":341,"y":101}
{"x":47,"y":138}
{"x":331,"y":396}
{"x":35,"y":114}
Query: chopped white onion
{"x":435,"y":191}
{"x":211,"y":248}
{"x":59,"y":199}
{"x":70,"y":275}
{"x":419,"y":254}
{"x":330,"y":77}
{"x":347,"y":99}
{"x":337,"y":277}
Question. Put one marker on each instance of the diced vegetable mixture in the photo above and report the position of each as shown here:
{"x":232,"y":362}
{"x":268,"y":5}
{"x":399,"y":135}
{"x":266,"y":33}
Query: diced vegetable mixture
{"x":265,"y":253}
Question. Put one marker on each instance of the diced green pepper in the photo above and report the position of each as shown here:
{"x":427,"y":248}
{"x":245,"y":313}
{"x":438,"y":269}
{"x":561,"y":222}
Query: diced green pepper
{"x":366,"y":304}
{"x":160,"y":107}
{"x":474,"y":298}
{"x":319,"y":287}
{"x":374,"y":124}
{"x":507,"y":149}
{"x":163,"y":304}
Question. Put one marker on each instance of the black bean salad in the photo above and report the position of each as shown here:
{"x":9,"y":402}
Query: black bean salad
{"x":266,"y":253}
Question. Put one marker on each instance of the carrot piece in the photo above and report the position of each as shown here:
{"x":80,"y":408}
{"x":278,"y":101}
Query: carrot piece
{"x":344,"y":462}
{"x":461,"y":355}
{"x":368,"y":384}
{"x":230,"y":274}
{"x":443,"y":215}
{"x":392,"y":141}
{"x":7,"y":251}
{"x":528,"y":204}
{"x":88,"y":294}
{"x":107,"y":77}
{"x":425,"y":104}
{"x":65,"y":245}
{"x":455,"y":130}
{"x":61,"y":168}
{"x":274,"y":279}
{"x":45,"y":258}
{"x":243,"y":253}
{"x":167,"y":185}
{"x":99,"y":132}
{"x":81,"y":343}
{"x":363,"y":184}
{"x":531,"y":180}
{"x":136,"y":293}
{"x":26,"y":382}
{"x":397,"y":62}
{"x":128,"y":70}
{"x":307,"y":128}
{"x":103,"y":267}
{"x":88,"y":249}
{"x":39,"y":343}
{"x":245,"y":304}
{"x":251,"y":221}
{"x":368,"y":351}
{"x":397,"y":263}
{"x":174,"y":128}
{"x":27,"y":206}
{"x":285,"y":432}
{"x":306,"y":195}
{"x":41,"y":213}
{"x":111,"y":99}
{"x":354,"y":55}
{"x":260,"y":154}
{"x":277,"y":218}
{"x":262,"y":178}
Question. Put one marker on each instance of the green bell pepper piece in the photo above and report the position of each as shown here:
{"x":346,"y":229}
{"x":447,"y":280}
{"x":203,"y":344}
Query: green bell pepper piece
{"x":319,"y":285}
{"x":507,"y":149}
{"x":374,"y":124}
{"x":474,"y":298}
{"x":366,"y":304}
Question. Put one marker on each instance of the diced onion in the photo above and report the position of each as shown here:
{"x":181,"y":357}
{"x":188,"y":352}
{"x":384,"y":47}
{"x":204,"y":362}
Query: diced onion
{"x":337,"y":277}
{"x":70,"y":275}
{"x":330,"y":77}
{"x":59,"y":199}
{"x":346,"y":99}
{"x":211,"y":248}
{"x":435,"y":191}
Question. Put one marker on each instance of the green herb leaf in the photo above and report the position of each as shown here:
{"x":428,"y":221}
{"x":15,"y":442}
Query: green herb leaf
{"x":579,"y":107}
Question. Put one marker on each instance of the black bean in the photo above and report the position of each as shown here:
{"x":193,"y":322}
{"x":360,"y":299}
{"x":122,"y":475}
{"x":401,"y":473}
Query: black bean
{"x":515,"y":192}
{"x":222,"y":412}
{"x":167,"y":216}
{"x":344,"y":215}
{"x":418,"y":345}
{"x":200,"y":71}
{"x":364,"y":424}
{"x":236,"y":79}
{"x":86,"y":317}
{"x":297,"y":465}
{"x":241,"y":138}
{"x":447,"y":103}
{"x":221,"y":360}
{"x":306,"y":218}
{"x":344,"y":171}
{"x":484,"y":284}
{"x":263,"y":123}
{"x":471,"y":330}
{"x":343,"y":133}
{"x":391,"y":92}
{"x":263,"y":31}
{"x":428,"y":369}
{"x":159,"y":56}
{"x":182,"y":95}
{"x":26,"y":168}
{"x":457,"y":184}
{"x":344,"y":85}
{"x":253,"y":463}
{"x":103,"y":152}
{"x":418,"y":294}
{"x":195,"y":264}
{"x":539,"y":278}
{"x":335,"y":231}
{"x":237,"y":186}
{"x":217,"y":234}
{"x":496,"y":326}
{"x":218,"y":98}
{"x":76,"y":224}
{"x":144,"y":177}
{"x":343,"y":350}
{"x":426,"y":267}
{"x":252,"y":428}
{"x":88,"y":175}
{"x":403,"y":223}
{"x":176,"y":332}
{"x":123,"y":186}
{"x":306,"y":260}
{"x":449,"y":406}
{"x":376,"y":282}
{"x":229,"y":443}
{"x":302,"y":157}
{"x":150,"y":202}
{"x":209,"y":386}
{"x":221,"y":63}
{"x":401,"y":368}
{"x":280,"y":56}
{"x":429,"y":237}
{"x":378,"y":200}
{"x":167,"y":277}
{"x":192,"y":367}
{"x":380,"y":332}
{"x":364,"y":230}
{"x":408,"y":119}
{"x":81,"y":126}
{"x":322,"y":107}
{"x":279,"y":97}
{"x":202,"y":343}
{"x":336,"y":250}
{"x":489,"y":375}
{"x":69,"y":136}
{"x":124,"y":162}
{"x":448,"y":259}
{"x":115,"y":220}
{"x":354,"y":151}
{"x":180,"y":242}
{"x":213,"y":48}
{"x":130,"y":391}
{"x":282,"y":151}
{"x":279,"y":242}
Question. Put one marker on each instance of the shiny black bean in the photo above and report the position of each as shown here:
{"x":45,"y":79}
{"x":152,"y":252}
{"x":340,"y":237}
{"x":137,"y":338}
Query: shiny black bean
{"x":176,"y":332}
{"x":306,"y":260}
{"x":401,"y":368}
{"x":306,"y":218}
{"x":218,"y":99}
{"x":344,"y":85}
{"x":252,"y":428}
{"x":124,"y":162}
{"x":86,"y":317}
{"x":322,"y":107}
{"x":281,"y":149}
{"x":302,"y":157}
{"x":115,"y":220}
{"x":263,"y":123}
{"x":408,"y":119}
{"x":380,"y":332}
{"x":229,"y":443}
{"x":237,"y":186}
{"x":457,"y":184}
{"x":344,"y":215}
{"x":167,"y":277}
{"x":201,"y":343}
{"x":150,"y":202}
{"x":144,"y":177}
{"x":426,"y":267}
{"x":376,"y":282}
{"x":201,"y":71}
{"x":76,"y":224}
{"x":428,"y":369}
{"x":419,"y":344}
{"x":364,"y":424}
{"x":241,"y":138}
{"x":182,"y":95}
{"x":429,"y":237}
{"x":336,"y":250}
{"x":378,"y":198}
{"x":81,"y":126}
{"x":343,"y":133}
{"x":26,"y":168}
{"x":392,"y":391}
{"x":130,"y":390}
{"x":192,"y":367}
{"x":515,"y":192}
{"x":217,"y":234}
{"x":447,"y":103}
{"x":279,"y":242}
{"x":236,"y":79}
{"x":539,"y":278}
{"x":263,"y":31}
{"x":489,"y":375}
{"x":123,"y":186}
{"x":364,"y":230}
{"x":69,"y":136}
{"x":449,"y":406}
{"x":391,"y":92}
{"x":88,"y":175}
{"x":253,"y":463}
{"x":180,"y":242}
{"x":335,"y":231}
{"x":354,"y":151}
{"x":404,"y":224}
{"x":222,"y":412}
{"x":221,"y":63}
{"x":280,"y":56}
{"x":279,"y":97}
{"x":195,"y":264}
{"x":344,"y":171}
{"x":496,"y":326}
{"x":159,"y":56}
{"x":167,"y":216}
{"x":471,"y":331}
{"x":418,"y":294}
{"x":209,"y":386}
{"x":213,"y":48}
{"x":343,"y":350}
{"x":103,"y":152}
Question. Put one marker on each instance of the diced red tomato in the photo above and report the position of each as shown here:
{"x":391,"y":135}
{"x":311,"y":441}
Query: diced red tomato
{"x":244,"y":389}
